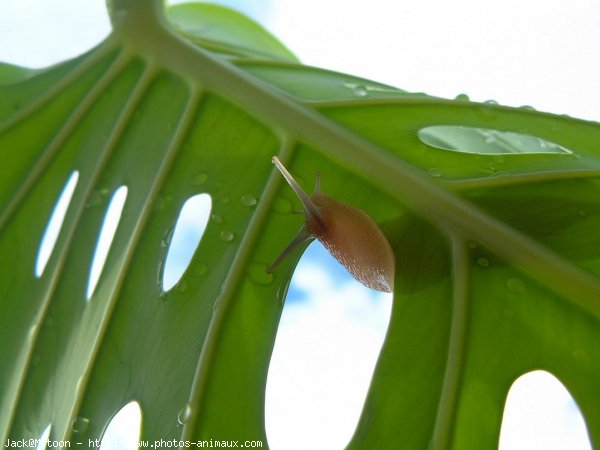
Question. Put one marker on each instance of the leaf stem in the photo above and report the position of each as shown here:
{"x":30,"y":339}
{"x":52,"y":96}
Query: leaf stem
{"x":446,"y":413}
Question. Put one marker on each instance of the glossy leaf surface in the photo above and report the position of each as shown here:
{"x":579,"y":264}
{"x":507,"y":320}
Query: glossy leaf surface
{"x":497,"y":254}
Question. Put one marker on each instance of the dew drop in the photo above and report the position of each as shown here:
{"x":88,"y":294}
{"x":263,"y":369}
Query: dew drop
{"x":226,"y":236}
{"x":248,"y":200}
{"x":166,"y":240}
{"x":200,"y":179}
{"x":483,"y":262}
{"x":283,"y":205}
{"x":462,"y":97}
{"x":184,"y":414}
{"x":357,"y":89}
{"x":182,"y":286}
{"x":80,"y":424}
{"x":515,"y":285}
{"x":360,"y":90}
{"x":487,"y":111}
{"x":216,"y":218}
{"x":201,"y":269}
{"x":258,"y":274}
{"x":527,"y":108}
{"x":94,"y":199}
{"x":435,"y":172}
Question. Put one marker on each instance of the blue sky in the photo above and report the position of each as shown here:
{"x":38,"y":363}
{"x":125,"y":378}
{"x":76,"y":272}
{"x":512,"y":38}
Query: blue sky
{"x":539,"y":53}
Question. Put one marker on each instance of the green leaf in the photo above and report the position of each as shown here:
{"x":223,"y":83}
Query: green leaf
{"x":497,"y":253}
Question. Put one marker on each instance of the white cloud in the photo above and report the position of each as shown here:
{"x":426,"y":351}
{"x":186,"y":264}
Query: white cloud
{"x":540,"y":414}
{"x":324,"y":357}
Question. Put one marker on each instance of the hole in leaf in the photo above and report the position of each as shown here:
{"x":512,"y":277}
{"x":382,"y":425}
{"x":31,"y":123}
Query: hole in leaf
{"x":485,"y":141}
{"x":541,"y":414}
{"x":185,"y":238}
{"x":107,"y":233}
{"x":123,"y":430}
{"x":329,"y":338}
{"x":43,"y":442}
{"x":54,"y":224}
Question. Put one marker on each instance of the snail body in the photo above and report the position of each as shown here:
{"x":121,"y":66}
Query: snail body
{"x":348,"y":233}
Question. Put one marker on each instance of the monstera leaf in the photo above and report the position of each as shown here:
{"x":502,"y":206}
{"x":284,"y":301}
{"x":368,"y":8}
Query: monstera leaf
{"x":493,"y":214}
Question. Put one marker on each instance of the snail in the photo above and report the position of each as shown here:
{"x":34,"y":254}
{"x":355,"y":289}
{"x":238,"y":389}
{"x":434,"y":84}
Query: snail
{"x":348,"y":233}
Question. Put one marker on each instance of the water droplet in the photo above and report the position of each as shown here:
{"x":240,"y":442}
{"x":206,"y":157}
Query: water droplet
{"x":483,"y":262}
{"x":200,"y":179}
{"x":357,"y":89}
{"x":216,"y":218}
{"x":515,"y":285}
{"x":360,"y":90}
{"x":462,"y":97}
{"x":201,"y":269}
{"x":166,"y":240}
{"x":181,"y":286}
{"x":283,"y":205}
{"x":248,"y":200}
{"x":80,"y":424}
{"x":225,"y":199}
{"x":487,"y":111}
{"x":185,"y":414}
{"x":94,"y":199}
{"x":258,"y":274}
{"x":226,"y":236}
{"x":527,"y":108}
{"x":435,"y":172}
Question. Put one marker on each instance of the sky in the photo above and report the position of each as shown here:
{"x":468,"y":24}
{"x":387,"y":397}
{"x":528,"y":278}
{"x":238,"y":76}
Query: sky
{"x":516,"y":52}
